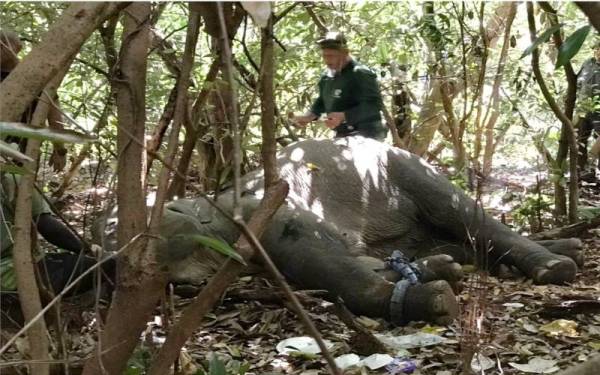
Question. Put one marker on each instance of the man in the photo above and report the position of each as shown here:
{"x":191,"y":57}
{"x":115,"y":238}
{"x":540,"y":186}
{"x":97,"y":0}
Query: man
{"x":588,"y":86}
{"x":348,"y":93}
{"x":10,"y":46}
{"x":55,"y":269}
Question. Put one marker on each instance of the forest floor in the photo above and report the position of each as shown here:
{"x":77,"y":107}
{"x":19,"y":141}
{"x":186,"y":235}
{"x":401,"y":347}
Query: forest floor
{"x":245,"y":330}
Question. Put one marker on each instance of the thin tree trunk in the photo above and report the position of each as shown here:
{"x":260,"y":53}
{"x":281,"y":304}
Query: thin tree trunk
{"x":24,"y":262}
{"x":592,"y":11}
{"x":153,"y":144}
{"x":58,"y":46}
{"x":488,"y":153}
{"x":134,"y":297}
{"x":85,"y":150}
{"x":267,"y":106}
{"x":194,"y":131}
{"x":564,"y":141}
{"x":573,"y":188}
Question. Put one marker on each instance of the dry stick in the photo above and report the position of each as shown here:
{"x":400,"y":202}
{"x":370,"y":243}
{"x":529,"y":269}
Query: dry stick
{"x":271,"y":175}
{"x":65,"y":290}
{"x":318,"y":22}
{"x":193,"y":314}
{"x":233,"y":119}
{"x":535,"y":64}
{"x":100,"y":124}
{"x":267,"y":105}
{"x":308,"y":324}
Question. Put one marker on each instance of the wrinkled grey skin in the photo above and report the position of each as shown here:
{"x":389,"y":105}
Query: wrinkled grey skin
{"x":352,"y":201}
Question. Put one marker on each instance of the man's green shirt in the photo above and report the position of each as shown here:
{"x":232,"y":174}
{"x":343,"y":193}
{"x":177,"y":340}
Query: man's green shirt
{"x":8,"y":192}
{"x":354,"y":91}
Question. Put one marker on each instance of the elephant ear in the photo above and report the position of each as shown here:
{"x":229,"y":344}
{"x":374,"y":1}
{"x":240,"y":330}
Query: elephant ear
{"x":216,"y":244}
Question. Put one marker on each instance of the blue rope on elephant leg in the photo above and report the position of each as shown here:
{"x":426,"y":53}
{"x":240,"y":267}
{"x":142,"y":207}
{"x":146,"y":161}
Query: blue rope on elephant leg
{"x":397,"y":302}
{"x":400,"y":263}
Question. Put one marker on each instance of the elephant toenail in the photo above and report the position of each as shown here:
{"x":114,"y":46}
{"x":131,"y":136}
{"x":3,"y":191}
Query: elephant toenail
{"x":540,"y":274}
{"x":438,"y":304}
{"x":552,"y":263}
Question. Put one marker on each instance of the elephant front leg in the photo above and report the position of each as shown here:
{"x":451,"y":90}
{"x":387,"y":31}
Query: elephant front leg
{"x":569,"y":247}
{"x":534,"y":260}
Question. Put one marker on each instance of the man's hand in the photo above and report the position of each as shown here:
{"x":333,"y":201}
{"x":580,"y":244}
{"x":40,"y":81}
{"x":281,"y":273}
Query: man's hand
{"x":302,"y":120}
{"x":334,"y":119}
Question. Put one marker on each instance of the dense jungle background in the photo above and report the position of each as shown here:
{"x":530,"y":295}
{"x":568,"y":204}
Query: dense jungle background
{"x":157,"y":97}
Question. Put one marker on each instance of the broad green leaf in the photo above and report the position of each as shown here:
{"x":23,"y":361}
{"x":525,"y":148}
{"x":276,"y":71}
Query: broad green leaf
{"x":572,"y":45}
{"x":543,"y":38}
{"x":14,"y":169}
{"x":7,"y":150}
{"x":43,"y":134}
{"x":216,"y":366}
{"x":217,"y":245}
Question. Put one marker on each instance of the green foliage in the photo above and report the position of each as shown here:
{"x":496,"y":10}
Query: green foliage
{"x":531,"y":208}
{"x":588,"y":213}
{"x":43,"y":134}
{"x":572,"y":45}
{"x":216,"y":366}
{"x":218,"y":245}
{"x":139,"y":362}
{"x":543,"y":38}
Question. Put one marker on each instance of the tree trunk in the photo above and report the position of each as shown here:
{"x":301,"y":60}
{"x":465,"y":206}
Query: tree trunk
{"x":24,"y":262}
{"x":564,"y":143}
{"x":135,"y":296}
{"x":267,"y":106}
{"x":58,"y":46}
{"x":566,"y":122}
{"x":495,"y":95}
{"x":592,"y":11}
{"x":194,"y":131}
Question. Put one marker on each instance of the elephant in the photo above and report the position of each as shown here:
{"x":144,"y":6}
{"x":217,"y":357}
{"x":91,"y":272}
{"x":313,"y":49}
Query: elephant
{"x":352,"y":202}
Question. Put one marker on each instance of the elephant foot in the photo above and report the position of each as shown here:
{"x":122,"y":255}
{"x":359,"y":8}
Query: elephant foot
{"x":548,"y":268}
{"x":440,"y":267}
{"x":434,"y":302}
{"x":569,"y":247}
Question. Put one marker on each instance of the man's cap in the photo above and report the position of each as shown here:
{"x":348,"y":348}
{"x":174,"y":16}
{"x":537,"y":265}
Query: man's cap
{"x":333,"y":40}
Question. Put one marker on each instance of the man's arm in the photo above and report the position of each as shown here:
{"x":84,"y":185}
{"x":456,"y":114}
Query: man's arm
{"x":317,"y":108}
{"x":57,"y":233}
{"x":368,"y":97}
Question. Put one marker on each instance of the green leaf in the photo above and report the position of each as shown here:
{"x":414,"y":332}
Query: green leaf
{"x":217,"y":245}
{"x":43,"y":134}
{"x":7,"y":150}
{"x":216,"y":366}
{"x":14,"y":169}
{"x":543,"y":38}
{"x":572,"y":45}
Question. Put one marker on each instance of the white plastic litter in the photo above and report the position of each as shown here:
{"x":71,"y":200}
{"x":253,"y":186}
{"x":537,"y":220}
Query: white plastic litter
{"x":302,"y":344}
{"x":537,"y":365}
{"x":347,"y":360}
{"x":416,"y":340}
{"x":375,"y":361}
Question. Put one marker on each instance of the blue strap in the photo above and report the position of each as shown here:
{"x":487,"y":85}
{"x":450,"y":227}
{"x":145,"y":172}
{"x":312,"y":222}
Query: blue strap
{"x":400,"y":263}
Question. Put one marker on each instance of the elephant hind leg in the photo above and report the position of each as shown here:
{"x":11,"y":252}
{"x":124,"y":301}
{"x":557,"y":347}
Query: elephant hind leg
{"x":569,"y":247}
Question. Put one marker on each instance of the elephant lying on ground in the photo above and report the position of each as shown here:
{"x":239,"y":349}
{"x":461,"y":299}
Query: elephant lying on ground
{"x":353,"y":201}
